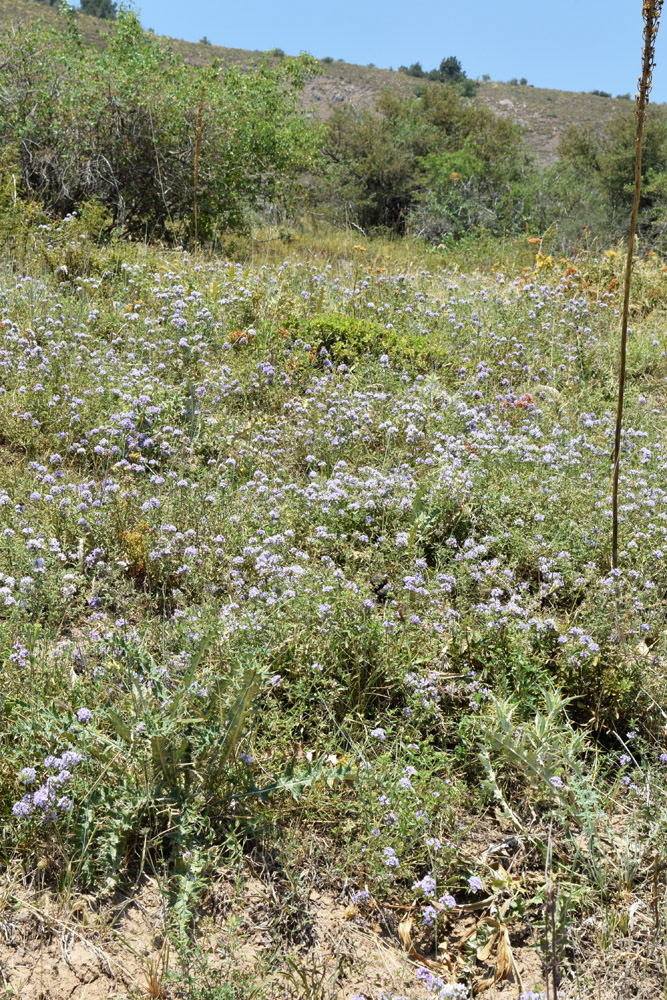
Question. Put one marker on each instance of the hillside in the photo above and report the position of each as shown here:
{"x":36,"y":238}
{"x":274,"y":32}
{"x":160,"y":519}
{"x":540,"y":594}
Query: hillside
{"x":294,"y":552}
{"x":544,"y":114}
{"x":317,"y":679}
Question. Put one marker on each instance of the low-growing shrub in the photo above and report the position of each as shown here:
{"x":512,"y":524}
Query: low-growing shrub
{"x":347,"y":338}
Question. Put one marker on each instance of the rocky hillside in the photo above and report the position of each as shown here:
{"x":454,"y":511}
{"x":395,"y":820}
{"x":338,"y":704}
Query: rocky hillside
{"x":544,"y":114}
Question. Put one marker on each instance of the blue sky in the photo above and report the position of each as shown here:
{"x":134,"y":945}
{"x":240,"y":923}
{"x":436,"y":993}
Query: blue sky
{"x":567,"y":44}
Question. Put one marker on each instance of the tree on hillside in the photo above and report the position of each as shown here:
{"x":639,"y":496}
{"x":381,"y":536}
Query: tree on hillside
{"x":415,"y":69}
{"x":99,"y":8}
{"x":451,"y":70}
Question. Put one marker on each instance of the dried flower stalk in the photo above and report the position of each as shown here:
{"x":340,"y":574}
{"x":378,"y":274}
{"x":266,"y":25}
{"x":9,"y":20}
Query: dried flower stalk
{"x":651,"y":13}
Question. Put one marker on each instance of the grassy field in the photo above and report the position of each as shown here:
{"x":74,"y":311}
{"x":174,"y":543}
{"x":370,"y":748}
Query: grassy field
{"x":316,"y":679}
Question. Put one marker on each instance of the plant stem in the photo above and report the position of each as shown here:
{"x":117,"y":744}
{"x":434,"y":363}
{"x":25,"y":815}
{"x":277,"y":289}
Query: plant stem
{"x":197,"y":154}
{"x":651,"y":14}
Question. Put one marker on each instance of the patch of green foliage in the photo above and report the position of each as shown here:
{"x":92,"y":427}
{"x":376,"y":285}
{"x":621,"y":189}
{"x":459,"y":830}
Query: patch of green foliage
{"x":449,"y":71}
{"x":434,"y":164}
{"x":120,"y":126}
{"x":348,"y":338}
{"x":590,"y":189}
{"x":106,"y":9}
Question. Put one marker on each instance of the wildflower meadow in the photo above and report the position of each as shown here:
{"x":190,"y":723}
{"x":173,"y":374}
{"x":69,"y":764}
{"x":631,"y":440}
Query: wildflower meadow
{"x":325,"y":672}
{"x":308,"y":559}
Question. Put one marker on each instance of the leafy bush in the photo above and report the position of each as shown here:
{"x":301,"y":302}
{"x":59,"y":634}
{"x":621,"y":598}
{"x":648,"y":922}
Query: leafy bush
{"x":347,"y":339}
{"x":415,"y":69}
{"x":604,"y":166}
{"x":432,"y":164}
{"x":120,"y":126}
{"x":344,"y":337}
{"x":370,"y":172}
{"x":449,"y":71}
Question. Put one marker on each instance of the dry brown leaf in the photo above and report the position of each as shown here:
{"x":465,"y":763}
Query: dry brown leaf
{"x":405,"y":935}
{"x":483,"y":984}
{"x":505,"y":963}
{"x":405,"y":932}
{"x":505,"y":957}
{"x":484,"y":951}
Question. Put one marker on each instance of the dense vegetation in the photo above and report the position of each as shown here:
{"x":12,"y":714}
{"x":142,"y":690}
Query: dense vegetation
{"x":449,"y":71}
{"x":120,"y":127}
{"x":305,"y":542}
{"x":106,"y":9}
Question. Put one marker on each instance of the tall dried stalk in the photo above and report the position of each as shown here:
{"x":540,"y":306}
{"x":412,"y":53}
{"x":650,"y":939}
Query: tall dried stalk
{"x":651,"y":10}
{"x":197,"y":155}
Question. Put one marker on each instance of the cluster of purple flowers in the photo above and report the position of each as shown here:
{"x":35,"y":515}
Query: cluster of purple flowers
{"x":48,"y":800}
{"x":243,"y":475}
{"x":439,"y":989}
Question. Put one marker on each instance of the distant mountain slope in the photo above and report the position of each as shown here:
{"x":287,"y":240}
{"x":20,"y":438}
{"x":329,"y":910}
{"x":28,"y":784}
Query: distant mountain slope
{"x":544,"y":114}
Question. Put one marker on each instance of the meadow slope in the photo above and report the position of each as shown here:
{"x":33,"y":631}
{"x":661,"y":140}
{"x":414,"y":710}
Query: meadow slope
{"x":313,"y":658}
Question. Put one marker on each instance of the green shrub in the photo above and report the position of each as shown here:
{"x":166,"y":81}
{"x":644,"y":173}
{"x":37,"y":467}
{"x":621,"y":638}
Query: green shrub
{"x":449,"y":71}
{"x":99,"y":8}
{"x":344,"y":337}
{"x":604,"y":167}
{"x":395,"y":169}
{"x":348,"y":338}
{"x":370,"y":168}
{"x":120,"y":127}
